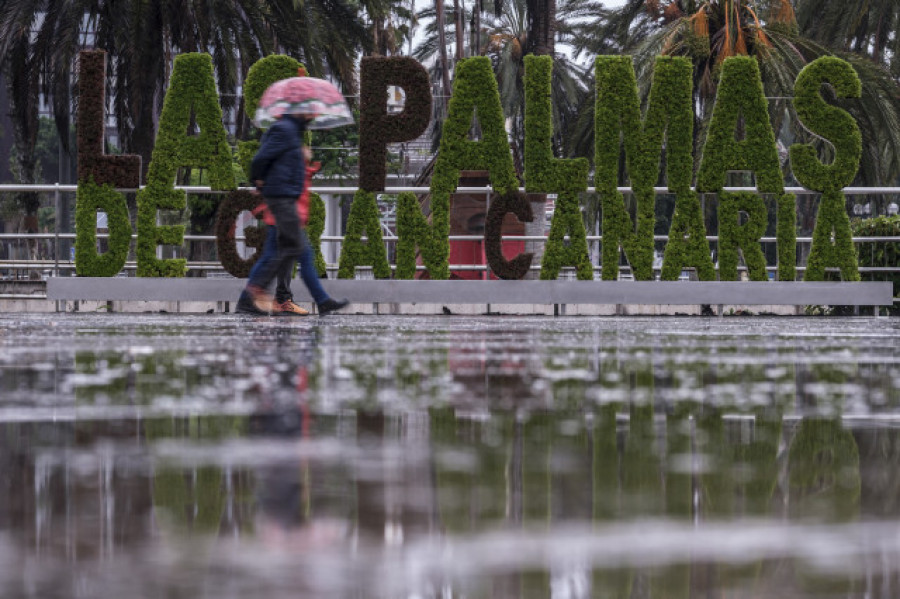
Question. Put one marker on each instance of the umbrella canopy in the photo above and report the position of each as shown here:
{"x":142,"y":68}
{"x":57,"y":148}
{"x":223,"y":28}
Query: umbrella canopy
{"x":314,"y":98}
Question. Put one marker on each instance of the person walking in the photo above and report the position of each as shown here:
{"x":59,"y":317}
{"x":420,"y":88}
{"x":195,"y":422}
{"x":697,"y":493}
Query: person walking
{"x":284,"y":300}
{"x":288,"y":108}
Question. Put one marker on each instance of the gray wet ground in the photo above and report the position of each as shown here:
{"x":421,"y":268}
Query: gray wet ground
{"x":169,"y":456}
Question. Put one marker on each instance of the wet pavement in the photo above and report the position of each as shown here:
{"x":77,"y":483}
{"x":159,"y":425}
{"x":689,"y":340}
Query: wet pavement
{"x":169,"y":456}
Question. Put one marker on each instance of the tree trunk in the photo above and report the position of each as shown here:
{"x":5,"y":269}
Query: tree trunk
{"x":442,"y":47}
{"x":541,"y":39}
{"x":459,"y":29}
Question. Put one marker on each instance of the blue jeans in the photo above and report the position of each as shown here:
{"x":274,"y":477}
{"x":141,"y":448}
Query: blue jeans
{"x":286,"y":244}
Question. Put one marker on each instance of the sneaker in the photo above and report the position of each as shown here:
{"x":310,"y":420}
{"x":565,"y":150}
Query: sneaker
{"x":330,"y":305}
{"x":289,"y":308}
{"x":254,"y":301}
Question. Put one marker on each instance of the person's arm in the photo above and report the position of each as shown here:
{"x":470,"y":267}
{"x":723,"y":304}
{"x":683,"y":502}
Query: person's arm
{"x":276,"y":142}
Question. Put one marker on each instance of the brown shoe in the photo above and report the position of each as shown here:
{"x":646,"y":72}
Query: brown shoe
{"x":289,"y":308}
{"x":262,"y":301}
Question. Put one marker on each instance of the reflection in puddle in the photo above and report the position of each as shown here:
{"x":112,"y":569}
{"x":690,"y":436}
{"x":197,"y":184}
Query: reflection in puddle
{"x":152,"y":456}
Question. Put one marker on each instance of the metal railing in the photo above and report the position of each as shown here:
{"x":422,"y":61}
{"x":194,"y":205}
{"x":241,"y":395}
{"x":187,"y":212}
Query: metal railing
{"x":56,"y":265}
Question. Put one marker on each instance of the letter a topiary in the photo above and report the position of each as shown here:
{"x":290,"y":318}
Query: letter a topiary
{"x":546,"y":174}
{"x":191,"y":88}
{"x":364,"y":217}
{"x":839,"y":128}
{"x":740,"y":94}
{"x":474,"y":89}
{"x":669,"y":118}
{"x":687,"y":244}
{"x":314,"y":229}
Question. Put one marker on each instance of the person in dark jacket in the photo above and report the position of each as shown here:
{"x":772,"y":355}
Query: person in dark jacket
{"x":279,"y":171}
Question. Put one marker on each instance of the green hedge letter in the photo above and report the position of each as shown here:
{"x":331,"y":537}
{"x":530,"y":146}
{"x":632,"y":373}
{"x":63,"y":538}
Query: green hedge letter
{"x":546,"y":174}
{"x":91,"y":198}
{"x":618,"y":114}
{"x":474,"y":89}
{"x":838,"y":127}
{"x":364,"y":218}
{"x":192,"y":88}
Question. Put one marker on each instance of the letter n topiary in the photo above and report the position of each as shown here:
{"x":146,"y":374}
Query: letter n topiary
{"x":669,"y":119}
{"x":546,"y":174}
{"x":839,"y":128}
{"x":191,"y":88}
{"x":475,"y":89}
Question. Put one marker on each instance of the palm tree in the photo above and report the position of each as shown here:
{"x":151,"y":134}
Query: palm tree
{"x":504,"y":37}
{"x":40,"y":41}
{"x":866,"y":27}
{"x":710,"y":31}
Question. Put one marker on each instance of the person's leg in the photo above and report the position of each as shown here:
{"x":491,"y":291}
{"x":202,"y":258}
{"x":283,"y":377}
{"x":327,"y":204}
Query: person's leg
{"x":287,"y":226}
{"x":283,"y":283}
{"x":268,"y":254}
{"x":308,"y":272}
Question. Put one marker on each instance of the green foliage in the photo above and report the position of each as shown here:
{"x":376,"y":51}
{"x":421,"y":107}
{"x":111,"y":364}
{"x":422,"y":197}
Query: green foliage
{"x":687,"y":241}
{"x":413,"y":230}
{"x":315,"y":226}
{"x":830,"y":122}
{"x":91,"y":198}
{"x":377,"y":128}
{"x":832,"y":221}
{"x":618,"y":115}
{"x":93,"y":164}
{"x":740,"y":95}
{"x":192,"y":89}
{"x":566,"y":220}
{"x":734,"y":236}
{"x":264,"y":73}
{"x":543,"y":172}
{"x":880,"y":253}
{"x":546,"y":174}
{"x":246,"y":150}
{"x":786,"y":237}
{"x":515,"y":203}
{"x":339,"y":156}
{"x":474,"y":89}
{"x":260,"y":76}
{"x":364,"y":218}
{"x":226,"y":222}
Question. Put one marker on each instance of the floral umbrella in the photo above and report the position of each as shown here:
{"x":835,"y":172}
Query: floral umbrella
{"x":308,"y":96}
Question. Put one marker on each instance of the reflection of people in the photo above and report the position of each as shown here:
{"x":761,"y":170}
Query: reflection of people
{"x":283,"y":487}
{"x":279,"y":172}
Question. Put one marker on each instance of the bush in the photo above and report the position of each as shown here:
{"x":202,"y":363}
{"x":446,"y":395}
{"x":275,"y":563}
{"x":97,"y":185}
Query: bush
{"x":880,"y":253}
